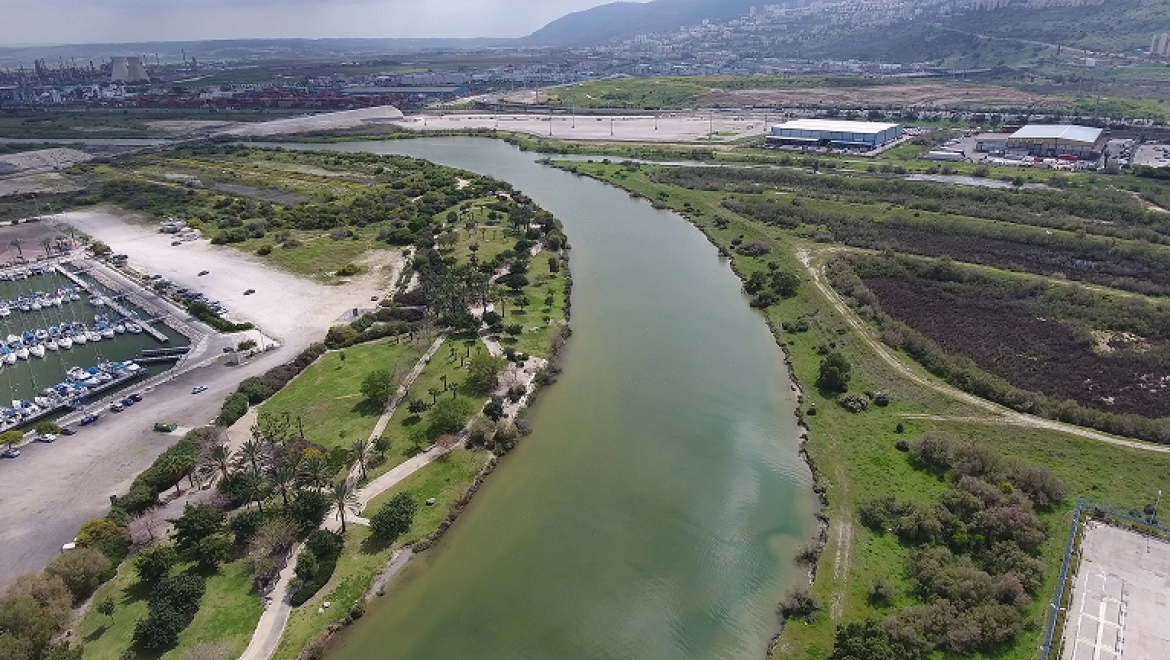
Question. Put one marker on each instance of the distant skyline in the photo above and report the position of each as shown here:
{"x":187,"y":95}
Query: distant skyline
{"x":26,"y":22}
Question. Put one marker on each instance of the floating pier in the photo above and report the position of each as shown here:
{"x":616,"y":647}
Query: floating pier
{"x":113,"y":304}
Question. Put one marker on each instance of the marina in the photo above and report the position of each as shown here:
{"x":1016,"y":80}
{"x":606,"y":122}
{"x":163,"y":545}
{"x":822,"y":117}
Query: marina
{"x":65,"y":339}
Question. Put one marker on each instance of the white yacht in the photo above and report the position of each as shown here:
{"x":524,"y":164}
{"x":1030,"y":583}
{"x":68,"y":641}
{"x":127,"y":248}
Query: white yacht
{"x":133,"y":327}
{"x":21,"y":352}
{"x":51,"y":344}
{"x":5,"y":310}
{"x":37,"y":350}
{"x":79,"y":338}
{"x":65,"y":342}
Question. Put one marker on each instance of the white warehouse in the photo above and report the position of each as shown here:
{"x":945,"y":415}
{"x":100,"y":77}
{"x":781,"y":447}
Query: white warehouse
{"x":866,"y":135}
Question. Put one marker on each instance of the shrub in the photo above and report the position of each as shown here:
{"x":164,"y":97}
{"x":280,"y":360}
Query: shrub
{"x":324,"y":543}
{"x":800,"y":602}
{"x":395,"y":517}
{"x":153,"y":565}
{"x":44,"y":428}
{"x":98,"y":530}
{"x":173,"y":603}
{"x":881,"y":591}
{"x":754,"y":248}
{"x":79,"y":569}
{"x":306,"y":568}
{"x":863,"y":641}
{"x":834,"y":372}
{"x":195,"y":525}
{"x":933,"y":450}
{"x":255,"y":390}
{"x":234,"y":407}
{"x":340,"y":336}
{"x":854,"y":403}
{"x":245,"y":524}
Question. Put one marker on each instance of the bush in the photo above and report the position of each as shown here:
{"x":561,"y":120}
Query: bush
{"x":153,"y":565}
{"x":324,"y":543}
{"x":340,"y":336}
{"x":834,"y":373}
{"x":800,"y":602}
{"x":308,"y":509}
{"x":863,"y":641}
{"x":98,"y":530}
{"x":881,"y":591}
{"x":933,"y":450}
{"x":448,"y":415}
{"x":306,"y":568}
{"x":44,"y":428}
{"x":325,"y":547}
{"x":754,"y":248}
{"x":255,"y":390}
{"x":394,"y":518}
{"x":173,"y":603}
{"x":234,"y":407}
{"x":854,"y":403}
{"x":245,"y":524}
{"x":79,"y":569}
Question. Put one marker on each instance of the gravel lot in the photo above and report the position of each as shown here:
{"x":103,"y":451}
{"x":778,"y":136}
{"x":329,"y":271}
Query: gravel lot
{"x":50,"y":490}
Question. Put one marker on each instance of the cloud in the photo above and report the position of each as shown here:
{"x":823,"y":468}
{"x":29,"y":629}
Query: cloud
{"x":94,"y":21}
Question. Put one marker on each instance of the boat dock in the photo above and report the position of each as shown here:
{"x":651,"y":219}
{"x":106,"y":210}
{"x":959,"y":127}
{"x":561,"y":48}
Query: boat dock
{"x":71,"y":405}
{"x":155,"y":355}
{"x":111,"y":301}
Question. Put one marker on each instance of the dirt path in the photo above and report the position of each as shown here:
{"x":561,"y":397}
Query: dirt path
{"x":843,"y":537}
{"x":1009,"y":416}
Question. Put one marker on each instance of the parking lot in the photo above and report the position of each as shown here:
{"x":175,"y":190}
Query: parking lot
{"x":1120,"y":599}
{"x":1153,"y":155}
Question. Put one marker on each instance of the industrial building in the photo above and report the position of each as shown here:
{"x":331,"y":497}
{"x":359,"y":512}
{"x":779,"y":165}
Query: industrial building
{"x":866,"y":135}
{"x":1160,"y":45}
{"x":1053,"y":140}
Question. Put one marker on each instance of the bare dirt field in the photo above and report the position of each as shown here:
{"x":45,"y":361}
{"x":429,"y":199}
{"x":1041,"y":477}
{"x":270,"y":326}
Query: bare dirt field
{"x":323,"y":122}
{"x":50,"y":490}
{"x":1120,"y":598}
{"x":183,"y":126}
{"x":927,"y":95}
{"x":42,"y":160}
{"x":672,"y":127}
{"x":49,"y":182}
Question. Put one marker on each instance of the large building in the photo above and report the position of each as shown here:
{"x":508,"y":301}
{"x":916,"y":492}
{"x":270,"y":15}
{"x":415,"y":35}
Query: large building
{"x":1052,"y":140}
{"x":1160,"y":45}
{"x":832,"y":133}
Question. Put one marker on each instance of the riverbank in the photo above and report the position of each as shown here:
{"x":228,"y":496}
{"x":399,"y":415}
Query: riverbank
{"x":855,"y":454}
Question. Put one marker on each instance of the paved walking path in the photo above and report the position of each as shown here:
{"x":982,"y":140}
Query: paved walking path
{"x":278,"y":609}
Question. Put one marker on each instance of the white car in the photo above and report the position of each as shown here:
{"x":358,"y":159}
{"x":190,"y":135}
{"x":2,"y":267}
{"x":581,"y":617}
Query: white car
{"x":198,"y":389}
{"x":46,"y":437}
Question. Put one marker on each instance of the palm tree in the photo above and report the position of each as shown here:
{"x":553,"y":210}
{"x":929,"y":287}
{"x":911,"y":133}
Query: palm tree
{"x":19,"y":245}
{"x":282,"y":476}
{"x":252,"y":454}
{"x":434,"y":392}
{"x":343,"y":496}
{"x":176,"y":467}
{"x":359,"y":454}
{"x":45,"y":243}
{"x":218,"y":461}
{"x":254,"y":482}
{"x":312,"y":472}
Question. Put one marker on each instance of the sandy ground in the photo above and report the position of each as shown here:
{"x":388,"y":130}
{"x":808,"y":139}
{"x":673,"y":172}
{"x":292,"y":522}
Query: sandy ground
{"x":322,"y":122}
{"x":183,"y":126}
{"x":48,"y":182}
{"x":42,"y":159}
{"x":50,"y":490}
{"x":668,"y":128}
{"x":932,"y":95}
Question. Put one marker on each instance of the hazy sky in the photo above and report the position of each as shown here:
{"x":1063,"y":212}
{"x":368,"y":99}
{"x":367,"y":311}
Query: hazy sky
{"x":96,"y":21}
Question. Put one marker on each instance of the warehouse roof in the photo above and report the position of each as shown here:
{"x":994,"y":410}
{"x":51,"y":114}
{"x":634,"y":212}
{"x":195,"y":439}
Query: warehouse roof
{"x":837,"y":126}
{"x":1086,"y":134}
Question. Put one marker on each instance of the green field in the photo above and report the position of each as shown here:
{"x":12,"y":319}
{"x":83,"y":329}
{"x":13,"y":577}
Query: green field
{"x":227,"y":617}
{"x":109,"y":124}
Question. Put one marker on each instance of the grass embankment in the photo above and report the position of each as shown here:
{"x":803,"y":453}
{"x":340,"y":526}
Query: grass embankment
{"x":106,"y":124}
{"x":327,"y":400}
{"x":855,"y":454}
{"x":227,"y":617}
{"x":362,"y":559}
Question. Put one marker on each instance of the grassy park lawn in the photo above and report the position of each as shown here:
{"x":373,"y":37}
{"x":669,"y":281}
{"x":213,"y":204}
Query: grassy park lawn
{"x":446,"y":480}
{"x":409,"y":432}
{"x":855,"y":453}
{"x":327,"y":397}
{"x":227,"y":617}
{"x":543,"y":285}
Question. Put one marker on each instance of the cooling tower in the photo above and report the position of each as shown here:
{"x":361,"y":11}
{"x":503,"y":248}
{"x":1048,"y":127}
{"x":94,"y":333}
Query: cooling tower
{"x":127,"y":69}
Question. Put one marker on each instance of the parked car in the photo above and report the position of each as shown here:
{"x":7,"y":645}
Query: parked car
{"x":89,"y":419}
{"x":67,"y":431}
{"x":174,"y":243}
{"x":127,"y":402}
{"x":203,"y":272}
{"x":10,"y":453}
{"x":46,"y":437}
{"x":249,"y":292}
{"x":136,"y":396}
{"x":199,"y":388}
{"x":116,"y":407}
{"x":165,"y":427}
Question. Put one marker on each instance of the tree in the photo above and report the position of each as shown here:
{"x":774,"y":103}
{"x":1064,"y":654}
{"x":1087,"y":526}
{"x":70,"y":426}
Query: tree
{"x":196,"y":524}
{"x":79,"y":569}
{"x":449,"y":415}
{"x":45,"y":428}
{"x":483,"y":372}
{"x":154,"y":565}
{"x":19,"y":245}
{"x":214,"y":550}
{"x":34,"y":609}
{"x":282,"y":476}
{"x":307,"y":565}
{"x":359,"y":455}
{"x":514,"y":330}
{"x":97,"y":530}
{"x":417,"y":406}
{"x":378,"y":386}
{"x":252,"y":454}
{"x":382,"y":445}
{"x":340,"y":336}
{"x":106,"y":608}
{"x":514,"y":281}
{"x":175,"y":466}
{"x":434,"y":392}
{"x":863,"y":641}
{"x":834,"y":373}
{"x":395,"y":517}
{"x":273,"y":427}
{"x":343,"y":496}
{"x":11,"y":438}
{"x":494,"y":409}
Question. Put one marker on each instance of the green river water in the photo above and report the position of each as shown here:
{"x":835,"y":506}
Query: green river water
{"x":655,"y":509}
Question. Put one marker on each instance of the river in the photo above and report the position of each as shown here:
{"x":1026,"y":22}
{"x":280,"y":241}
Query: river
{"x":655,"y":509}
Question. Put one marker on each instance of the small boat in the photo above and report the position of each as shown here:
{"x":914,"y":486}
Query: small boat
{"x":43,"y":401}
{"x":21,"y":352}
{"x":55,"y":301}
{"x":133,"y":327}
{"x":12,"y":339}
{"x":37,"y":350}
{"x":25,"y":307}
{"x":120,"y":328}
{"x":104,"y":330}
{"x":54,"y":332}
{"x":5,"y":310}
{"x":79,"y":338}
{"x":51,"y":344}
{"x":73,"y":297}
{"x":65,"y":342}
{"x":36,"y":305}
{"x":41,"y":334}
{"x":97,"y":301}
{"x":93,"y":335}
{"x":29,"y":338}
